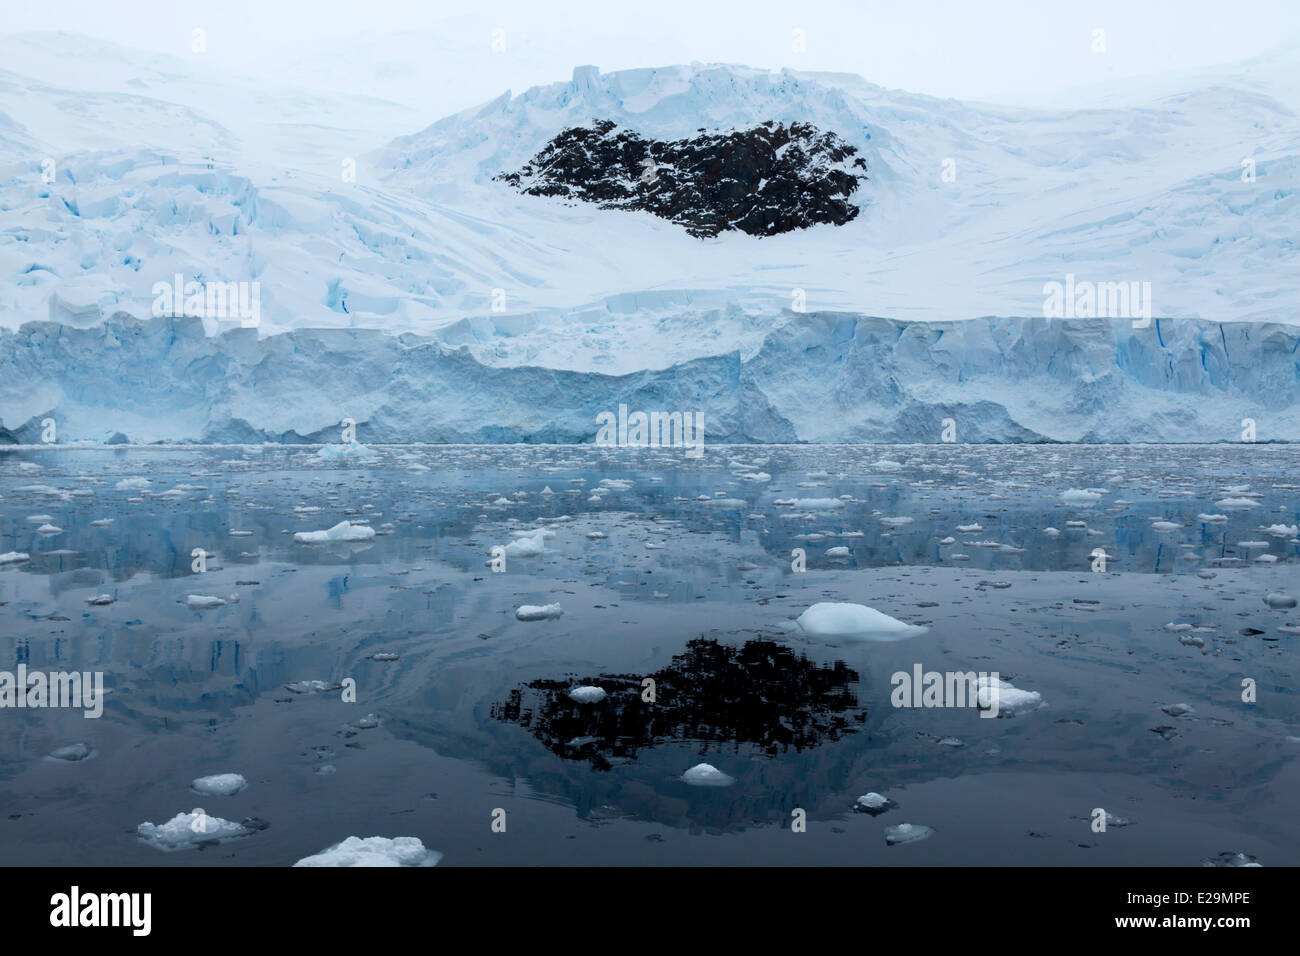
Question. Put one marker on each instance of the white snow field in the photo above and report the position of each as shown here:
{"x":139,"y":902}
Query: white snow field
{"x":377,"y":292}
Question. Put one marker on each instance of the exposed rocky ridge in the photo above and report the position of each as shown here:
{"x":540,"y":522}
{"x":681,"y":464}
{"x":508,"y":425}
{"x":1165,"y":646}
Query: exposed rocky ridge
{"x":763,"y":181}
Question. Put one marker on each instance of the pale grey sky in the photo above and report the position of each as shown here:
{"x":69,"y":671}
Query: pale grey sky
{"x":1015,"y":49}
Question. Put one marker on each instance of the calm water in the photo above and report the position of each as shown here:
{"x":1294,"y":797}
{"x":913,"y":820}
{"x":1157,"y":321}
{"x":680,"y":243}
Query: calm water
{"x":691,"y":585}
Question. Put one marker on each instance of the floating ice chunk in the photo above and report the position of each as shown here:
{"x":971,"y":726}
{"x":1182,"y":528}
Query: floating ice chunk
{"x":1211,"y":519}
{"x":839,"y":552}
{"x":71,"y":753}
{"x":707,"y":775}
{"x":948,"y":540}
{"x":1231,"y":859}
{"x":534,"y":612}
{"x":374,"y":851}
{"x":970,"y":528}
{"x":1282,"y":530}
{"x":384,"y":656}
{"x":616,"y":484}
{"x":529,"y":546}
{"x":1278,"y":600}
{"x":39,"y":519}
{"x":1179,"y":710}
{"x":102,"y":522}
{"x":14,"y":557}
{"x":187,"y":830}
{"x":1252,"y":544}
{"x":887,"y":464}
{"x":49,"y":529}
{"x":1009,"y":700}
{"x":831,"y":619}
{"x":1266,"y":558}
{"x":1171,"y":626}
{"x":311,"y":687}
{"x":595,"y":535}
{"x":1165,"y":525}
{"x":1079,"y":496}
{"x":219,"y":784}
{"x":547,"y":492}
{"x":1236,"y":503}
{"x":896,"y":522}
{"x":1052,"y":532}
{"x":343,"y":531}
{"x":100,"y":600}
{"x":341,"y":452}
{"x":588,"y":694}
{"x":816,"y":504}
{"x":906,"y":833}
{"x":874,"y":804}
{"x":203,"y":602}
{"x":133,"y":484}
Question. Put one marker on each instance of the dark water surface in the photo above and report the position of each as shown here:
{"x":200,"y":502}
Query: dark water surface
{"x":690,"y":586}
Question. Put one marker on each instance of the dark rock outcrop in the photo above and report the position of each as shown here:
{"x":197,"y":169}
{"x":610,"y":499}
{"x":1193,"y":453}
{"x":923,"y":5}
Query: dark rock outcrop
{"x":767,"y":180}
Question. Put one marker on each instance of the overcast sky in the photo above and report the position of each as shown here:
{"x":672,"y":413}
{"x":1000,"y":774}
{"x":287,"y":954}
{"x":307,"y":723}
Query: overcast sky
{"x":1021,"y":50}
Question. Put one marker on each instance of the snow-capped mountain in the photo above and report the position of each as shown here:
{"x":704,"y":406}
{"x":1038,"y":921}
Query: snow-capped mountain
{"x":432,"y":259}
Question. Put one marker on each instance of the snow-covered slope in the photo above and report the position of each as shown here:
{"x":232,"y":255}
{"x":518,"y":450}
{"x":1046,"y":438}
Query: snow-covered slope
{"x":163,"y":168}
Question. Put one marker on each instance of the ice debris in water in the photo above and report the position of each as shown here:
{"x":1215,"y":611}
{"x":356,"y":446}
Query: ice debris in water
{"x":187,"y":830}
{"x":1010,"y":700}
{"x":838,"y":553}
{"x":707,"y":775}
{"x":588,"y":694}
{"x":874,"y":804}
{"x":1278,"y":600}
{"x":534,"y":612}
{"x":100,"y":600}
{"x":71,"y":753}
{"x":1231,"y":859}
{"x":1079,"y":496}
{"x":350,"y":450}
{"x":906,"y":833}
{"x":14,"y":557}
{"x":219,"y":784}
{"x":343,"y":531}
{"x":203,"y":602}
{"x":374,"y":851}
{"x":833,"y":619}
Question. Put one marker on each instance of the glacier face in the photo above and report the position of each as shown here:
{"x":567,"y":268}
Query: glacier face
{"x":816,"y":377}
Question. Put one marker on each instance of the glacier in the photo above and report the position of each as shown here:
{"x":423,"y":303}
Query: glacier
{"x":816,"y":377}
{"x":428,"y":302}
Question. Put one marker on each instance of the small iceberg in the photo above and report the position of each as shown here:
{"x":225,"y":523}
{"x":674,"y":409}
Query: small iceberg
{"x":1079,"y":496}
{"x":856,"y":621}
{"x":342,"y":452}
{"x":72,"y":753}
{"x":534,"y":612}
{"x":374,"y":851}
{"x":185,"y":831}
{"x":343,"y":531}
{"x":707,"y":775}
{"x":219,"y":784}
{"x":907,"y":833}
{"x":587,"y":694}
{"x":874,"y":804}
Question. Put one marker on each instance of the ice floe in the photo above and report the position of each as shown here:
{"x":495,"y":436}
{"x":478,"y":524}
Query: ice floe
{"x":829,"y":619}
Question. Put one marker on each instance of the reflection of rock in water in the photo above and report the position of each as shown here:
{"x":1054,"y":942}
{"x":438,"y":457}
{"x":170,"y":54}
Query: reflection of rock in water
{"x":761,"y":695}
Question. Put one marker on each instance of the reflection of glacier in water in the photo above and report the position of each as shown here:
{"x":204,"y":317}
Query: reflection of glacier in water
{"x":646,"y":552}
